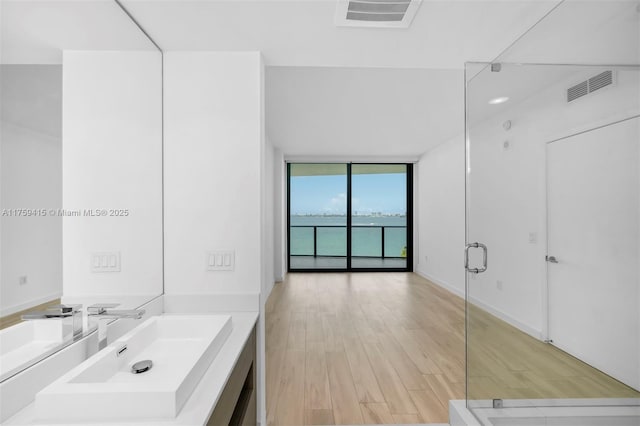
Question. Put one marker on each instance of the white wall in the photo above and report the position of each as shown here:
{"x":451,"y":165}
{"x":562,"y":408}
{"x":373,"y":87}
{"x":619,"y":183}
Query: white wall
{"x":440,"y":202}
{"x":213,"y":170}
{"x":31,"y":177}
{"x":508,"y":189}
{"x":219,"y":179}
{"x":280,"y":216}
{"x":269,"y":191}
{"x":507,"y":195}
{"x":112,"y":156}
{"x":268,"y":262}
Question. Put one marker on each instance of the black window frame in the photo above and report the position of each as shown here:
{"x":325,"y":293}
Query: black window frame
{"x":349,"y":227}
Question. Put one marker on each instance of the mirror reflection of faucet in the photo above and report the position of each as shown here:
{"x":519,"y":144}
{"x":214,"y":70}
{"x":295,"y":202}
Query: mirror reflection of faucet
{"x":71,"y":318}
{"x":69,"y":315}
{"x":104,"y":311}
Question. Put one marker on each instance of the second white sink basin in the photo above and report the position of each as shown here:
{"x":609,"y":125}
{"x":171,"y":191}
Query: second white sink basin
{"x":103,"y":387}
{"x":23,"y":343}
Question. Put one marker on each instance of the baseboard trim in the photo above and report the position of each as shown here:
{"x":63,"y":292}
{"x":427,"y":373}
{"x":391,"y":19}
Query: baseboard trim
{"x":533,"y":332}
{"x":441,"y":283}
{"x":10,"y":310}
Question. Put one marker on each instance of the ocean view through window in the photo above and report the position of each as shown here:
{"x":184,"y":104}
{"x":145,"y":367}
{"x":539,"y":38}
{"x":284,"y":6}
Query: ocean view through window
{"x":349,"y":217}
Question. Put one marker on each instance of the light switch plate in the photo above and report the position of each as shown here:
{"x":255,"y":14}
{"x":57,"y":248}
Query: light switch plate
{"x":105,"y":261}
{"x":220,"y":260}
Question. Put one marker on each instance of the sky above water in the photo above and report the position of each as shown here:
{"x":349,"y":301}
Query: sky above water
{"x":372,"y":193}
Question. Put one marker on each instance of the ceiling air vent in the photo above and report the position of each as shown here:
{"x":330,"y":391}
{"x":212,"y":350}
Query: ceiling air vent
{"x":596,"y":82}
{"x":376,"y":13}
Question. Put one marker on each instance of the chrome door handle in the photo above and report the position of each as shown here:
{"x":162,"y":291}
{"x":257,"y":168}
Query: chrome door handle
{"x":484,"y":258}
{"x":551,"y":259}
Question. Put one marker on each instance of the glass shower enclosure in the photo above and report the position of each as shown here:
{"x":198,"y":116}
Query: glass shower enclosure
{"x":553,"y":220}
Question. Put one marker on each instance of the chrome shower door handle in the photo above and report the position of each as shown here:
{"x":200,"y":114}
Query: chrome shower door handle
{"x":466,"y":256}
{"x":484,"y":258}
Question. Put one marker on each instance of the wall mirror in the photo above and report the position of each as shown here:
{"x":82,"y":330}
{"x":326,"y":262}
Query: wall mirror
{"x":80,"y":167}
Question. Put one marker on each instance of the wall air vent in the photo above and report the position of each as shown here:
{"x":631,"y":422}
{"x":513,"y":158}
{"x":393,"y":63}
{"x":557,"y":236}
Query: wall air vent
{"x":601,"y":80}
{"x":577,"y":91}
{"x":596,"y":82}
{"x":376,"y":13}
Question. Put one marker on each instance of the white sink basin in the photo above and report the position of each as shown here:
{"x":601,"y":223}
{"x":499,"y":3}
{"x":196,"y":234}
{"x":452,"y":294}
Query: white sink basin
{"x":23,"y":343}
{"x":103,"y":387}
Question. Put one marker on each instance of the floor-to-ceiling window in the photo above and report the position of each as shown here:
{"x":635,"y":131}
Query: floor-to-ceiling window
{"x":318,"y":216}
{"x":350,"y":217}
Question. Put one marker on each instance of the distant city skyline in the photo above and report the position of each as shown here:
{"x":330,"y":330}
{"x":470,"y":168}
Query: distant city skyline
{"x":372,"y":214}
{"x":372,"y":194}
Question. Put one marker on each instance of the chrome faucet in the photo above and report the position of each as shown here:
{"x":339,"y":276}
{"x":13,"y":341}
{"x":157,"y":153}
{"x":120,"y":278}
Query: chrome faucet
{"x":70,"y":315}
{"x":103,"y":311}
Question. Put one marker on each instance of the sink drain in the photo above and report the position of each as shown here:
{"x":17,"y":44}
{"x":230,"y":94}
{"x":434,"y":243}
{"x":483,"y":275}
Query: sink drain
{"x":141,"y":366}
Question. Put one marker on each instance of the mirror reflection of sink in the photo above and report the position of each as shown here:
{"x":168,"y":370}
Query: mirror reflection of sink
{"x":26,"y":342}
{"x":181,"y":348}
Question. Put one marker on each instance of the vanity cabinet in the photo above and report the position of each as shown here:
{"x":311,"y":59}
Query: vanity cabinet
{"x":237,"y":403}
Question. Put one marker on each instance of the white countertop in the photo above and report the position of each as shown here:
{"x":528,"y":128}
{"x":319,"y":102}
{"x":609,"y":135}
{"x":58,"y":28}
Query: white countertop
{"x":204,"y":398}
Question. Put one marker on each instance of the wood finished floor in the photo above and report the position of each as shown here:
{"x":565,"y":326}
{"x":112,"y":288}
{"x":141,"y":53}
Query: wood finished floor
{"x":509,"y":363}
{"x":362,"y":349}
{"x":389,"y":348}
{"x":9,"y":320}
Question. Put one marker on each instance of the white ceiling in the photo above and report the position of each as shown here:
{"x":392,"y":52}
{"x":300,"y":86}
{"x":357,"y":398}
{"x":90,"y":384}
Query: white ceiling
{"x":36,"y":31}
{"x":330,"y":91}
{"x":518,"y":83}
{"x":444,"y":33}
{"x":338,"y":92}
{"x":583,"y":32}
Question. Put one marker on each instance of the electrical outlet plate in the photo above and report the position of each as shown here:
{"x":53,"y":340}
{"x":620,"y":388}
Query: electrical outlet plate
{"x":221,"y":260}
{"x":105,"y":262}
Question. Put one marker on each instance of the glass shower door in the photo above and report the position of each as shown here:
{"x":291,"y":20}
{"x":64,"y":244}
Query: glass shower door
{"x":553,"y":192}
{"x":553,"y":235}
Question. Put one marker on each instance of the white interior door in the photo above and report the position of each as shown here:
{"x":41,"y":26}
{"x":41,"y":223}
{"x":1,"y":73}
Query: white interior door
{"x":593,"y":233}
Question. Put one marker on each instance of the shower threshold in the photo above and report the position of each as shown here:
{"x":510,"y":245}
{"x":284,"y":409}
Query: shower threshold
{"x":547,"y":412}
